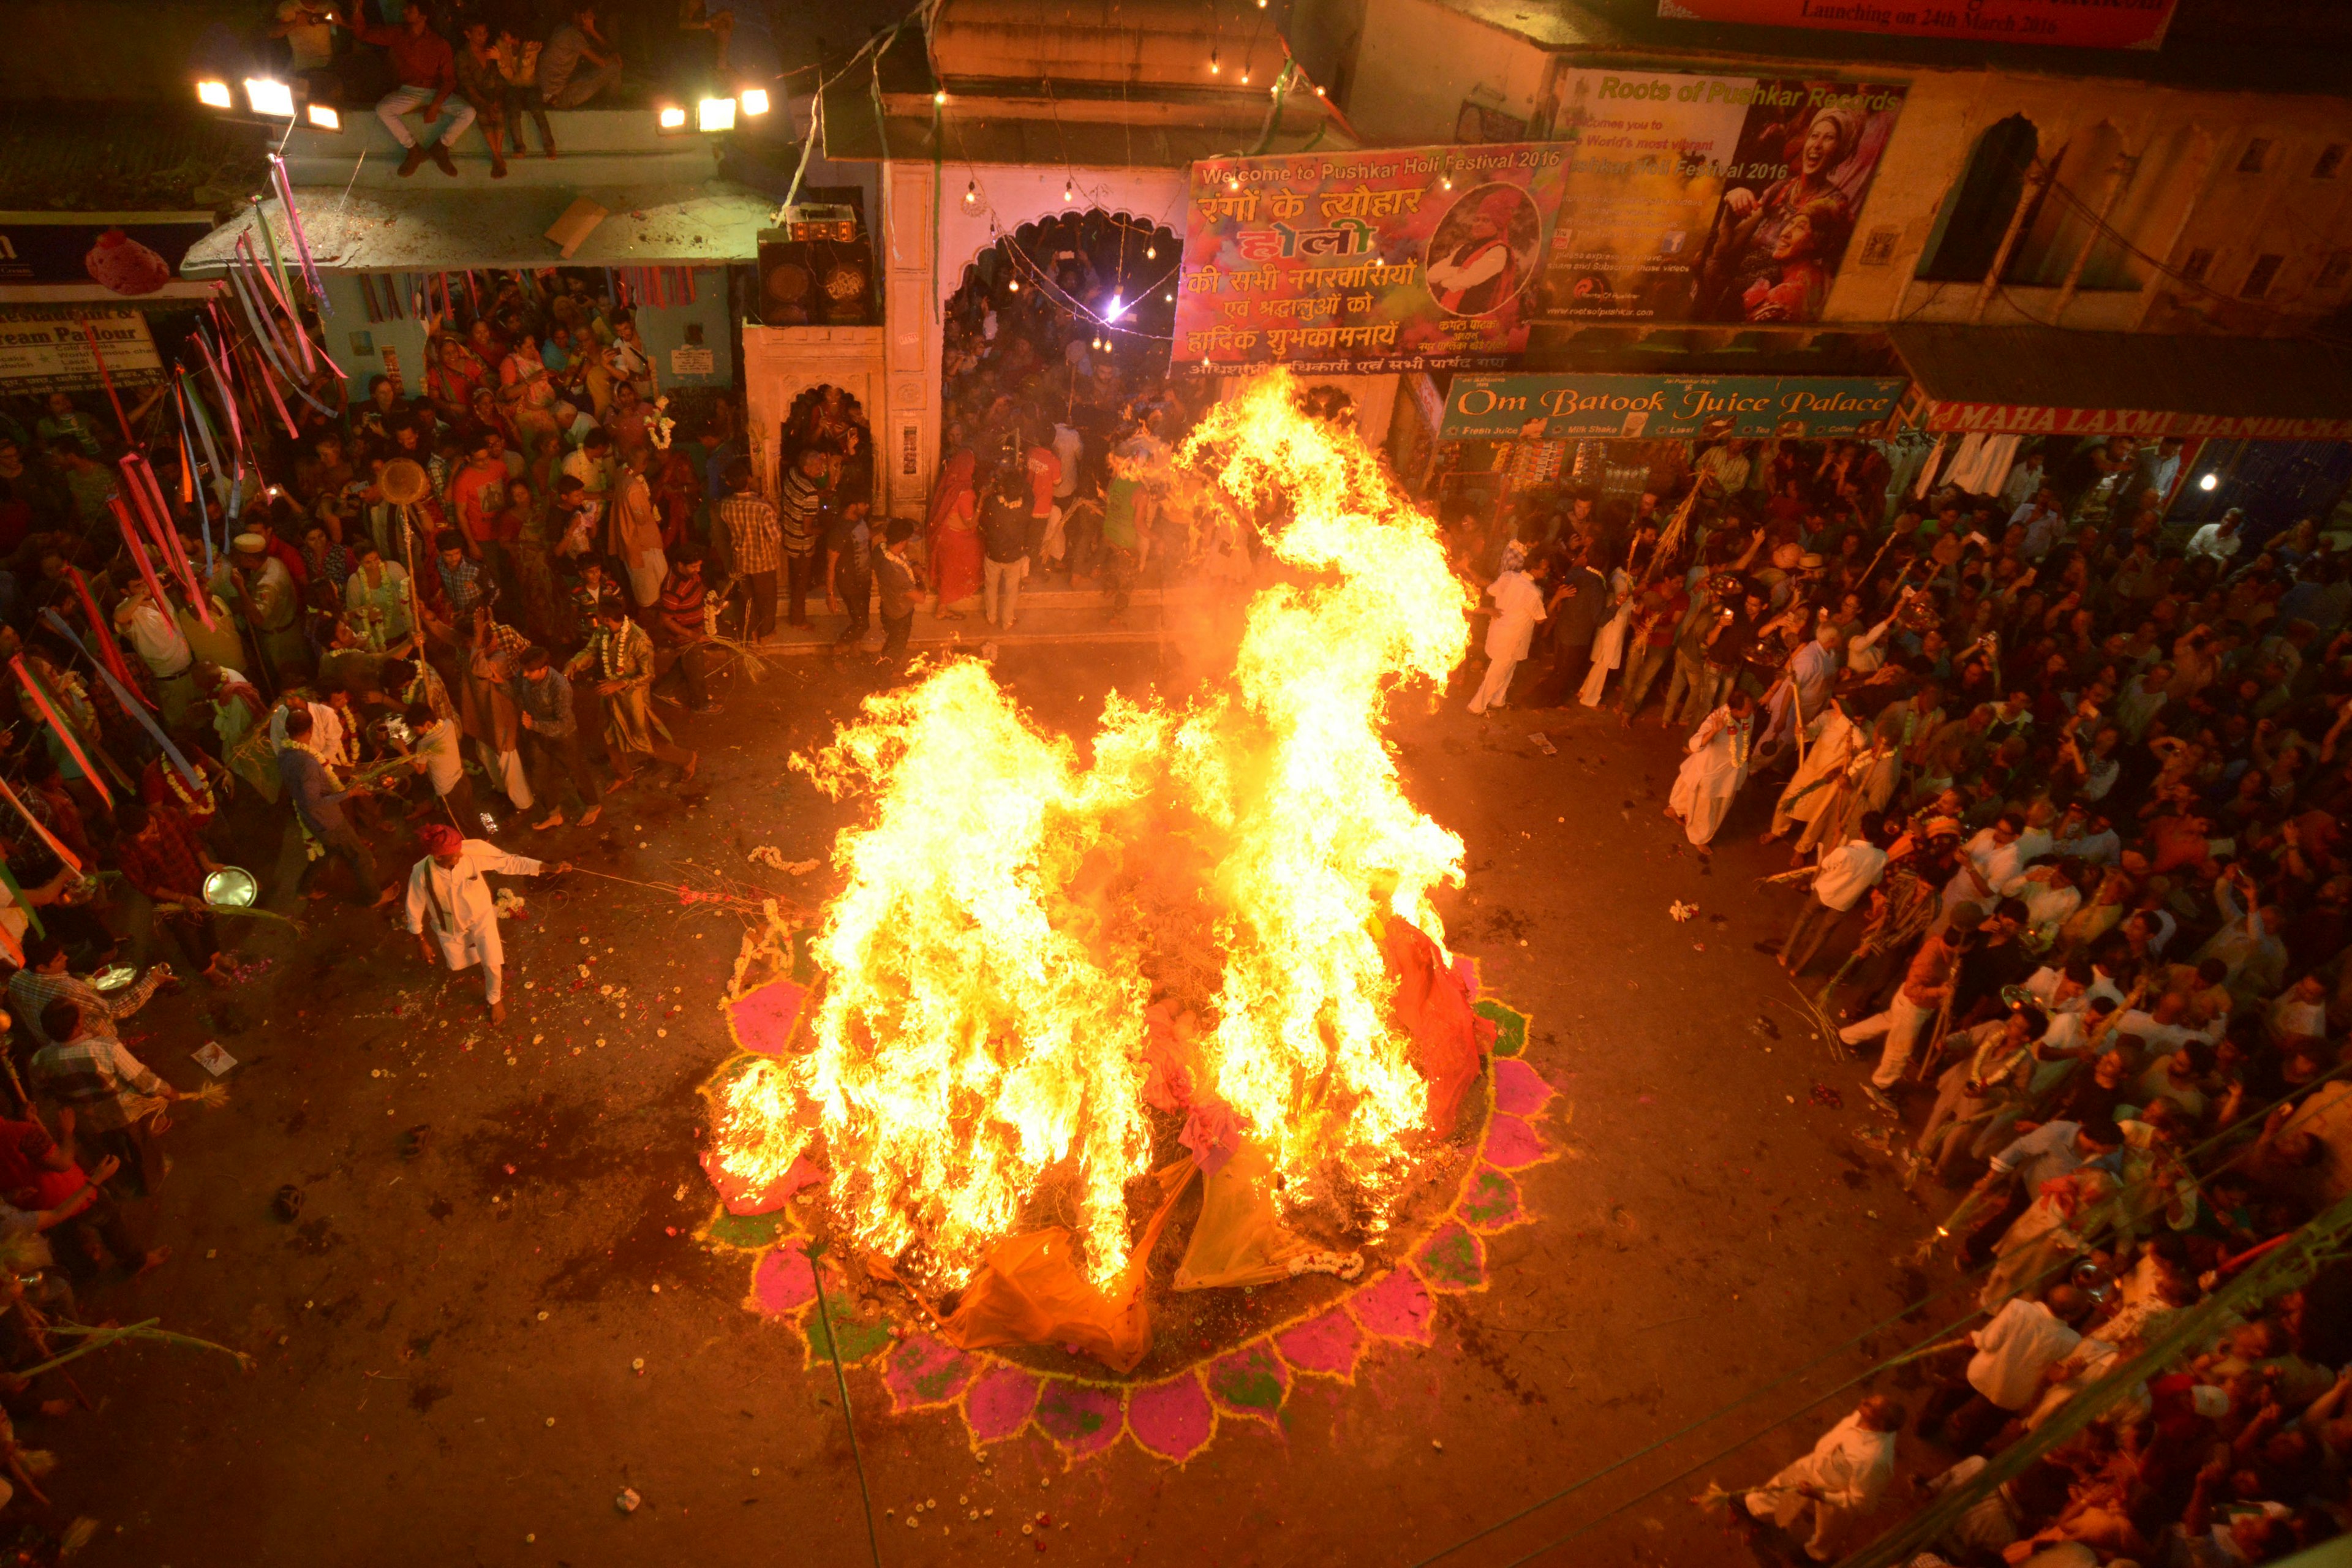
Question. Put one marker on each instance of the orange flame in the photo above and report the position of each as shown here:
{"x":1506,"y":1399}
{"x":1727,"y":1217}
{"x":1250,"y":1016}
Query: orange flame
{"x":982,"y":1032}
{"x":1322,"y":835}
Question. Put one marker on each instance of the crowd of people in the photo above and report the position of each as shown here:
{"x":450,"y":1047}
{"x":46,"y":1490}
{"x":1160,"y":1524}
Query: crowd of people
{"x":436,"y":71}
{"x":442,"y":630}
{"x":1060,"y":433}
{"x":2064,"y":791}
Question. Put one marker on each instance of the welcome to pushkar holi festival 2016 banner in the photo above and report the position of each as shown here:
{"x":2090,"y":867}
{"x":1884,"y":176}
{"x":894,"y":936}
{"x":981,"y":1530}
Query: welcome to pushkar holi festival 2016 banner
{"x":2106,"y":25}
{"x":1664,"y":197}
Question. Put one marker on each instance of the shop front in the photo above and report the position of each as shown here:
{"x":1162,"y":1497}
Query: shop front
{"x":397,"y":263}
{"x":79,"y":289}
{"x":2210,"y":422}
{"x":1615,"y":435}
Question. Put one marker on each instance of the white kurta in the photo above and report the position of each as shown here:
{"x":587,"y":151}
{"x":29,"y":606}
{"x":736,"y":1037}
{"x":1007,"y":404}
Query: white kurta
{"x":1815,"y":782}
{"x":1849,"y":1466}
{"x":1518,"y":606}
{"x":1608,"y":642}
{"x":1711,"y":775}
{"x":1813,"y":672}
{"x":460,"y":909}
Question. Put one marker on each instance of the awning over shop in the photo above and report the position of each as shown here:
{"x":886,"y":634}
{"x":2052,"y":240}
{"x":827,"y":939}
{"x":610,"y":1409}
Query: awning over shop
{"x":427,"y":230}
{"x":2044,"y":381}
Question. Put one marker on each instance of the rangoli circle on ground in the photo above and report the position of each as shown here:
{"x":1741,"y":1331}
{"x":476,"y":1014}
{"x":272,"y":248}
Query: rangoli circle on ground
{"x":1170,"y":1413}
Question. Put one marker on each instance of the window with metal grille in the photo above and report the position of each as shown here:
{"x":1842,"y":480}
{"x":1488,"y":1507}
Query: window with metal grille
{"x":2199,"y":263}
{"x":2330,"y":159}
{"x":2258,"y":281}
{"x":2334,"y":270}
{"x":2256,"y":154}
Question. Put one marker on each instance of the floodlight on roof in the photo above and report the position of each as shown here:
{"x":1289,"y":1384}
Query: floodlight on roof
{"x":271,"y":98}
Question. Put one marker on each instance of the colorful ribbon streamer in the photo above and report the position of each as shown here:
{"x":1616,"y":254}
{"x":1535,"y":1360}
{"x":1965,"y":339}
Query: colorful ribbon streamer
{"x":302,"y":240}
{"x":125,"y":694}
{"x":109,"y":649}
{"x":157,"y":513}
{"x":63,"y":731}
{"x":97,"y":356}
{"x":56,"y":846}
{"x":13,"y":950}
{"x":129,"y":526}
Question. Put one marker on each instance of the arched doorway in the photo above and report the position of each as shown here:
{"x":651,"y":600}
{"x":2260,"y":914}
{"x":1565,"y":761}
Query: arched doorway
{"x":830,"y":420}
{"x":1065,"y":319}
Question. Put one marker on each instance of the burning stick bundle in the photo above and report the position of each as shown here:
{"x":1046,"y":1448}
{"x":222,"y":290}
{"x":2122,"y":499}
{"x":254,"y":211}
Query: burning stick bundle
{"x":986,"y":1044}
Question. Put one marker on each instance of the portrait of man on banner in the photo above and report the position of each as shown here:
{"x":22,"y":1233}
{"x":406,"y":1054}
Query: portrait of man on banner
{"x":1481,"y":255}
{"x":1778,"y":234}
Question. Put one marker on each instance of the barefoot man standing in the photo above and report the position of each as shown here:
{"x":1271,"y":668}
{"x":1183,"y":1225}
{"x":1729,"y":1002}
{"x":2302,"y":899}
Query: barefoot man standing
{"x":448,"y":889}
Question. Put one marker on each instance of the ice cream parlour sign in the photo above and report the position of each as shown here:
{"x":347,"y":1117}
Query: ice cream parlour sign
{"x":47,"y":350}
{"x":96,"y":255}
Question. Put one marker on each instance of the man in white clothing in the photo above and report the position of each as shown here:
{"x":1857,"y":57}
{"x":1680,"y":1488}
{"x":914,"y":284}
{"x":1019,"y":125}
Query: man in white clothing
{"x":1993,"y":858}
{"x":2024,"y":1340}
{"x":2218,"y":539}
{"x":1812,"y":671}
{"x":2025,"y":481}
{"x":1917,"y":1002}
{"x":448,"y":888}
{"x":1843,"y":876}
{"x":162,"y":648}
{"x":1841,"y":1479}
{"x":1518,"y":606}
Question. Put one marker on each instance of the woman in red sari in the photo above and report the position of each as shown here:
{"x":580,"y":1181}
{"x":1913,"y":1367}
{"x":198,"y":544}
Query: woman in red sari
{"x":954,"y":538}
{"x":677,"y":494}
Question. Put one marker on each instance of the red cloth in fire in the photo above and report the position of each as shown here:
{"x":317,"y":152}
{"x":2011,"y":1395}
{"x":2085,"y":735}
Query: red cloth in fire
{"x":1433,"y":1004}
{"x":1030,"y":1292}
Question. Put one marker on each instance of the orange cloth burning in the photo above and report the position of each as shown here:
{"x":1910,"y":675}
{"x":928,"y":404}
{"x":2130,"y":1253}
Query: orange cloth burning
{"x":977,"y":1064}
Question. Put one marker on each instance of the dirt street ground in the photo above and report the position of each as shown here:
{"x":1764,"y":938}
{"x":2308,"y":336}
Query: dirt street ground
{"x":498,"y":1225}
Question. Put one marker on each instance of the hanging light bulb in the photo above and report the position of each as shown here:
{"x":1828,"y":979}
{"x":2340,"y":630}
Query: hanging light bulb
{"x":1014,"y":286}
{"x":1318,"y":92}
{"x":1151,"y":253}
{"x":1213,"y":66}
{"x":1245,"y":79}
{"x":1170,"y":296}
{"x":1233,"y":182}
{"x":940,"y":97}
{"x":1068,"y":195}
{"x":972,"y":194}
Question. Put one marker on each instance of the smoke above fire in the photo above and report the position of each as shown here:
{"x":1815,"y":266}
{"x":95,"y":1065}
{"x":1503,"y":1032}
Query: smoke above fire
{"x":980,"y":1061}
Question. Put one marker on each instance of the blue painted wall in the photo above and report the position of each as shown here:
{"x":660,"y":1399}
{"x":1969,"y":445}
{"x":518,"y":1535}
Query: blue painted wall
{"x":664,"y":329}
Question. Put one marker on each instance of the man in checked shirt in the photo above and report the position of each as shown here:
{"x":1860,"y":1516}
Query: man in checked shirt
{"x":101,"y":1089}
{"x":754,"y":536}
{"x":44,"y":980}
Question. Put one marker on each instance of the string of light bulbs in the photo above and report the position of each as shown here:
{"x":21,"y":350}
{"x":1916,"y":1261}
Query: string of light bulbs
{"x":1050,"y":288}
{"x":1096,"y":197}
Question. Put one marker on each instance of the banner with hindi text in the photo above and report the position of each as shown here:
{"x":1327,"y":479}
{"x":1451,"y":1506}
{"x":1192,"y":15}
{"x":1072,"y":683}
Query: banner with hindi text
{"x":1358,"y":263}
{"x":1665,"y":198}
{"x":2110,"y":25}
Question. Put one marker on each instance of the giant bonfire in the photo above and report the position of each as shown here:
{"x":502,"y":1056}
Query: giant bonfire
{"x":1211,"y":931}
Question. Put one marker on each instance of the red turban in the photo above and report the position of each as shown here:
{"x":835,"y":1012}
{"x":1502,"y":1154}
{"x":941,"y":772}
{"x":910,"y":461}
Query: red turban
{"x":440,"y":838}
{"x":1500,"y":207}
